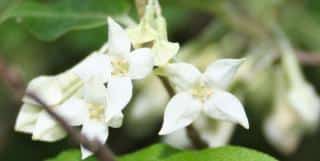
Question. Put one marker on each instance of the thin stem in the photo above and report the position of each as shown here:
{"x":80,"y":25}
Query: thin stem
{"x":101,"y":151}
{"x":167,"y":85}
{"x":289,"y":58}
{"x":195,"y":138}
{"x":308,"y":58}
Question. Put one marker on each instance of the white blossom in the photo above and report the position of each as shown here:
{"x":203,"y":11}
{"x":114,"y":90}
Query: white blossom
{"x":213,"y":132}
{"x":59,"y":93}
{"x":295,"y":114}
{"x":152,"y":31}
{"x":304,"y":99}
{"x":126,"y":66}
{"x":95,"y":102}
{"x":202,"y":93}
{"x":55,"y":91}
{"x":282,"y":129}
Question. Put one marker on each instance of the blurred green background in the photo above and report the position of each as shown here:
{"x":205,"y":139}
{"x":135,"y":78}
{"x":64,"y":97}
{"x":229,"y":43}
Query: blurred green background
{"x":44,"y":37}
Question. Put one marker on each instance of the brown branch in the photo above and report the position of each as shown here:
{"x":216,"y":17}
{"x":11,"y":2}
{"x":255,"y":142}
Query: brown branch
{"x":12,"y":78}
{"x":309,"y":58}
{"x":101,"y":151}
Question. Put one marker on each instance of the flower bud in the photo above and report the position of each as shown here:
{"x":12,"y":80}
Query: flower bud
{"x":306,"y":102}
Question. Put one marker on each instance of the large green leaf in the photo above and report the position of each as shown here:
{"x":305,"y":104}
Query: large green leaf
{"x":162,"y":152}
{"x":154,"y":153}
{"x":228,"y":153}
{"x":50,"y":19}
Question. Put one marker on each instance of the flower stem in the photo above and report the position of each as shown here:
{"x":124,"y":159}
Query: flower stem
{"x":195,"y":138}
{"x":289,"y":59}
{"x":167,"y":85}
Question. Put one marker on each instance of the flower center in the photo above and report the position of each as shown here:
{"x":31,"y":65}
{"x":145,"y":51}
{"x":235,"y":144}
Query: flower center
{"x":96,"y":112}
{"x":120,"y":66}
{"x":202,"y":92}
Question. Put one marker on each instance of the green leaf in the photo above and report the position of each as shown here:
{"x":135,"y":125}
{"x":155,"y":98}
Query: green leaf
{"x":228,"y":153}
{"x":71,"y":155}
{"x":161,"y":152}
{"x":48,"y":20}
{"x":153,"y":153}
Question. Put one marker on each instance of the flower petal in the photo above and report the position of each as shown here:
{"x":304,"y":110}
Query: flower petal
{"x":216,"y":133}
{"x":95,"y":92}
{"x":140,"y":63}
{"x":47,"y":129}
{"x":74,"y":111}
{"x":178,"y":139}
{"x":27,"y":118}
{"x":96,"y":64}
{"x":281,"y":130}
{"x":119,"y":42}
{"x":182,"y":75}
{"x":119,"y":92}
{"x":164,"y":51}
{"x":94,"y":130}
{"x":116,"y":121}
{"x":141,"y":34}
{"x":51,"y":96}
{"x":181,"y":110}
{"x":225,"y":106}
{"x":221,"y":72}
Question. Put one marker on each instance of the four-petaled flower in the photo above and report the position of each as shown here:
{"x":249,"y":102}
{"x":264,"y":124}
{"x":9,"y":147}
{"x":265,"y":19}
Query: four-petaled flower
{"x":108,"y":76}
{"x":205,"y":93}
{"x":125,"y":67}
{"x":34,"y":119}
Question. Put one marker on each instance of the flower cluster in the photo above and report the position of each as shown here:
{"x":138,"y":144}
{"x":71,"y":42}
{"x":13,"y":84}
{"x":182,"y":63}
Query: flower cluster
{"x":94,"y":93}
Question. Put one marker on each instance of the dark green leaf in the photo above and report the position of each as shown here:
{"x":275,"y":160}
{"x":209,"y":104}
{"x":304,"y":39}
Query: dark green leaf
{"x":50,"y":19}
{"x":228,"y":153}
{"x":161,"y":152}
{"x":71,"y":155}
{"x":154,"y":153}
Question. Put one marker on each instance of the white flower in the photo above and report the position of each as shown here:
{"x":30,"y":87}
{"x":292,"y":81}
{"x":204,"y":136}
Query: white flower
{"x":59,"y":93}
{"x":205,"y":93}
{"x":287,"y":123}
{"x":214,"y":132}
{"x":95,"y":102}
{"x":152,"y":31}
{"x":164,"y":51}
{"x":178,"y":139}
{"x":145,"y":32}
{"x":33,"y":119}
{"x":95,"y":65}
{"x":282,"y":128}
{"x":125,"y":67}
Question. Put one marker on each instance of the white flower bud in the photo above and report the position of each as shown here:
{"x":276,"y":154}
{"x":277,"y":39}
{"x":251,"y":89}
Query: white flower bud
{"x":306,"y":102}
